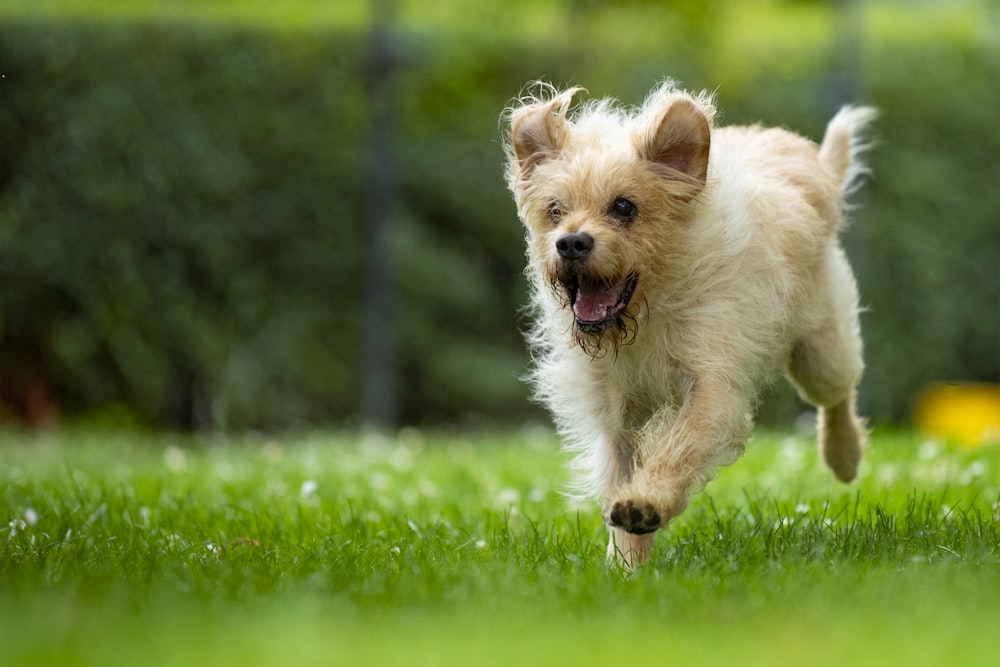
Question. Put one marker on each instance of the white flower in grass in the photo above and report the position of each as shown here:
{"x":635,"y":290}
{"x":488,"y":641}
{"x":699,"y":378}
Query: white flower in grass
{"x":929,"y":450}
{"x":308,"y":489}
{"x":792,"y":455}
{"x":887,"y":473}
{"x":428,"y":489}
{"x":972,"y":472}
{"x":175,"y":458}
{"x":30,"y":516}
{"x":784,"y":522}
{"x":480,"y":544}
{"x":145,"y":514}
{"x":508,"y":496}
{"x":537,"y":495}
{"x":401,"y":458}
{"x":16,"y":525}
{"x":802,"y":508}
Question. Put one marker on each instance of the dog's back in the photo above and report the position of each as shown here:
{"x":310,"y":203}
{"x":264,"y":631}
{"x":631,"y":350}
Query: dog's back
{"x":775,"y":165}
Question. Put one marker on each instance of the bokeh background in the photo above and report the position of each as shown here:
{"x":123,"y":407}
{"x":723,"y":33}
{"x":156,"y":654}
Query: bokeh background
{"x":290,"y":213}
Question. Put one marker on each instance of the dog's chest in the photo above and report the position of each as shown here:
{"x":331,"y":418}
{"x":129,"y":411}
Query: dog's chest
{"x":646,"y":385}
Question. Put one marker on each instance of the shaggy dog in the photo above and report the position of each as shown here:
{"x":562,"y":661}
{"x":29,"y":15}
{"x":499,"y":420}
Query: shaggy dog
{"x":676,"y":268}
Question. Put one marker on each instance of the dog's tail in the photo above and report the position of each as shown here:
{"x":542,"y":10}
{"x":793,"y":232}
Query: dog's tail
{"x":845,"y":142}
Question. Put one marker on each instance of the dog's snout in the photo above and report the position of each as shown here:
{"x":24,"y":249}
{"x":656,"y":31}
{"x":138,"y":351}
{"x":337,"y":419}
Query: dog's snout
{"x":574,"y":246}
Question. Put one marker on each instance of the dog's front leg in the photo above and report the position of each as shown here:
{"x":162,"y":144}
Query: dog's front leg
{"x":679,"y":459}
{"x":628,"y":549}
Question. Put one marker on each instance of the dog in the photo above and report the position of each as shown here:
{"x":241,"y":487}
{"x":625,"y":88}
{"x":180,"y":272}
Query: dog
{"x":676,"y":269}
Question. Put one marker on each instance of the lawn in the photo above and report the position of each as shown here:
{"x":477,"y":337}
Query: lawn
{"x":429,"y":549}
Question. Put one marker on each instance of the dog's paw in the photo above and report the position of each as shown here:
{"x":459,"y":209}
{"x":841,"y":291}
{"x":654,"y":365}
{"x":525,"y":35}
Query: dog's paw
{"x":638,"y":518}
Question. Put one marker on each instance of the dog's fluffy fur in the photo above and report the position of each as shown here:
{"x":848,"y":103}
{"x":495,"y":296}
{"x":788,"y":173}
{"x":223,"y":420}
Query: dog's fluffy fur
{"x":676,"y":268}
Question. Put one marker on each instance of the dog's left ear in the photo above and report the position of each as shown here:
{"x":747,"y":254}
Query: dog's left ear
{"x":679,"y":138}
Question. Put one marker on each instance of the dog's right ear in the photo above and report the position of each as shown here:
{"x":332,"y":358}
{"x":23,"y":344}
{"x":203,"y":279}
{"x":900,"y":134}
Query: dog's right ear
{"x":538,"y":131}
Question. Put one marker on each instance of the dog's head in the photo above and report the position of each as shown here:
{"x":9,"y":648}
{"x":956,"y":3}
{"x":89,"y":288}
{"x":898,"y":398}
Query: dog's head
{"x":604,"y":194}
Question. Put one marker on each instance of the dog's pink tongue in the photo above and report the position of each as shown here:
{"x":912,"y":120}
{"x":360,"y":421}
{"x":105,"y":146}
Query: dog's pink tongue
{"x":593,"y":302}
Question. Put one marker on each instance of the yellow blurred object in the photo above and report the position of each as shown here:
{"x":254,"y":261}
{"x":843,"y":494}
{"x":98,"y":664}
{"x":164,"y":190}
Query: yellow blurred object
{"x":966,"y":413}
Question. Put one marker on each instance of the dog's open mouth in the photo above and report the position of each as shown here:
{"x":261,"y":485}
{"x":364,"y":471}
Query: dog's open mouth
{"x":598,"y":304}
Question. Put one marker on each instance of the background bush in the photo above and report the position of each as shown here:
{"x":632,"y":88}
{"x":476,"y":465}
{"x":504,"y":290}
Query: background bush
{"x":183,"y":197}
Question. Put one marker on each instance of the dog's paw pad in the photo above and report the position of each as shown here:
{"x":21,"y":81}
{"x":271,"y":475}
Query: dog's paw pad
{"x":638,"y":518}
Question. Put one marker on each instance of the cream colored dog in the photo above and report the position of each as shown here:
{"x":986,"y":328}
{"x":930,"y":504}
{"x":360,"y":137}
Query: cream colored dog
{"x":676,"y":268}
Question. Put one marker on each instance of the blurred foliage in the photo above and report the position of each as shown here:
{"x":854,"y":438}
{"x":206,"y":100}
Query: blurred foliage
{"x":182,"y":196}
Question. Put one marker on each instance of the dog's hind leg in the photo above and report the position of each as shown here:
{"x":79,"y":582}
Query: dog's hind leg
{"x":826,"y":366}
{"x":841,"y":438}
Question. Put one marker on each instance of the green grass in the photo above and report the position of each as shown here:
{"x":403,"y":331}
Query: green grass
{"x":439,"y":550}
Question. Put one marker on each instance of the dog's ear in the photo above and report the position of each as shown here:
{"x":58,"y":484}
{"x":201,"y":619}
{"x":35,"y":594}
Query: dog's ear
{"x":538,"y":131}
{"x":679,"y":138}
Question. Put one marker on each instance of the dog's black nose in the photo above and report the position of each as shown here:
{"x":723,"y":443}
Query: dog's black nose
{"x":574,"y":246}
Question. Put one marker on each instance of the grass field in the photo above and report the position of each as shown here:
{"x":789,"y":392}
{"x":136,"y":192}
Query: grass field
{"x":125,"y":549}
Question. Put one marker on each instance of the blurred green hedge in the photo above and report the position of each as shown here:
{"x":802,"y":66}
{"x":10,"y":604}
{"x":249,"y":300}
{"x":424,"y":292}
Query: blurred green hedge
{"x":183,"y":203}
{"x":182,"y":209}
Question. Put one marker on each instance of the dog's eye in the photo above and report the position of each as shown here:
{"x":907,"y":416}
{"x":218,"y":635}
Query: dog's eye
{"x":623,"y":209}
{"x":555,"y":212}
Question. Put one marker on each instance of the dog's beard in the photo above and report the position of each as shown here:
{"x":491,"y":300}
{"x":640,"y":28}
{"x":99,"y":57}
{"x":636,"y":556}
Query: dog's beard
{"x":604,"y":309}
